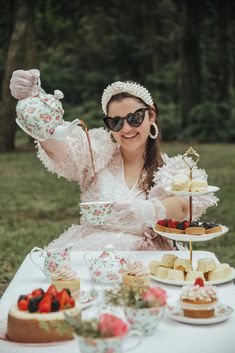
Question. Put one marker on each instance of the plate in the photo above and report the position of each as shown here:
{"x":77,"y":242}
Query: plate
{"x":222,"y":313}
{"x":87,"y":297}
{"x":189,"y":237}
{"x":185,"y":283}
{"x":211,"y":188}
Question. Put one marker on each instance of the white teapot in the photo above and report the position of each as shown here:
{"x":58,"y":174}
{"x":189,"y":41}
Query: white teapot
{"x":107,"y":267}
{"x":41,"y":115}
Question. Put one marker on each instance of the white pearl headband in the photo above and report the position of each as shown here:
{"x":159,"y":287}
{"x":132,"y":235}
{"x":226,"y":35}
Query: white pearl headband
{"x":132,"y":88}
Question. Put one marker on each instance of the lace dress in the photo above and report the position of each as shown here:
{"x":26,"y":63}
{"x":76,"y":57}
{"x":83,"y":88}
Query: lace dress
{"x":110,"y":185}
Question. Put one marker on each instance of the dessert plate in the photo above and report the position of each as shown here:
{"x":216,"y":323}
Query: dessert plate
{"x":211,"y":188}
{"x":87,"y":297}
{"x":222,"y":313}
{"x":185,"y":283}
{"x":190,"y":237}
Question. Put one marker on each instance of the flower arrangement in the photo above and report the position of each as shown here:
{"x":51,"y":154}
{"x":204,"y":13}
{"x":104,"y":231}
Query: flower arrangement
{"x":106,"y":326}
{"x":125,"y":296}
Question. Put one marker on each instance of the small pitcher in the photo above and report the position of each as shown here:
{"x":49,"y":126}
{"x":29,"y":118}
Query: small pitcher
{"x":53,"y":259}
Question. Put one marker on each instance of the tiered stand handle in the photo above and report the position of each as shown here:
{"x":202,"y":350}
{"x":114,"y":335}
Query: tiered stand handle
{"x":191,"y":153}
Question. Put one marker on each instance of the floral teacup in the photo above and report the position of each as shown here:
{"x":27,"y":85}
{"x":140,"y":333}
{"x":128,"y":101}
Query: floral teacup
{"x":144,"y":320}
{"x":107,"y":345}
{"x":53,"y":258}
{"x":96,"y":212}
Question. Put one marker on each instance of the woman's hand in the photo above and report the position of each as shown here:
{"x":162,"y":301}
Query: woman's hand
{"x":177,"y":207}
{"x":22,"y":82}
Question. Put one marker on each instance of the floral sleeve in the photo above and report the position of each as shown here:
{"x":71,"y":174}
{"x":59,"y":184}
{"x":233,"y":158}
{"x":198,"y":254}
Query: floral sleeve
{"x":163,"y":179}
{"x":77,"y":165}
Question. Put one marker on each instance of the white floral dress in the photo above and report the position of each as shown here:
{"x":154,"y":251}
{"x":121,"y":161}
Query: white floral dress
{"x":110,"y":185}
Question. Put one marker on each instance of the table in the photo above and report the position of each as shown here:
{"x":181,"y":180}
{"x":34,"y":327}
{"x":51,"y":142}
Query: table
{"x":170,"y":337}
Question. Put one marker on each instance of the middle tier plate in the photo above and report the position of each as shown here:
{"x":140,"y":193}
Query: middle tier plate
{"x":189,"y":237}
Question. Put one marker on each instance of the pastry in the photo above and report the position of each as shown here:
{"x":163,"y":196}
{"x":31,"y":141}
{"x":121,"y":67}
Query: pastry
{"x":38,"y":317}
{"x":162,"y":272}
{"x":175,"y":275}
{"x":198,"y":185}
{"x":228,"y":270}
{"x":195,"y":228}
{"x":153,"y":266}
{"x":66,"y":277}
{"x":192,"y":275}
{"x":136,"y":275}
{"x":180,"y":182}
{"x":168,"y":260}
{"x":183,"y":265}
{"x":198,"y":300}
{"x":212,"y":227}
{"x":206,"y":264}
{"x":217,"y":274}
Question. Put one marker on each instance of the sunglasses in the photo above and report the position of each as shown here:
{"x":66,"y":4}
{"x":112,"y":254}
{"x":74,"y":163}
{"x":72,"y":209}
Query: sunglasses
{"x":133,"y":119}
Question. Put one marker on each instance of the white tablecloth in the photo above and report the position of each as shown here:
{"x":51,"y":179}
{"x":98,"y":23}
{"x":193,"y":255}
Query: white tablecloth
{"x":170,"y":337}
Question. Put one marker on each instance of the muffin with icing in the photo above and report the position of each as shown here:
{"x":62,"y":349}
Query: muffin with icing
{"x":198,"y":300}
{"x":66,"y":277}
{"x":136,"y":275}
{"x":180,"y":182}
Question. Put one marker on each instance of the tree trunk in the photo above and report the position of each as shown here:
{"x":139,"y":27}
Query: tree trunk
{"x":22,"y":53}
{"x":191,"y":83}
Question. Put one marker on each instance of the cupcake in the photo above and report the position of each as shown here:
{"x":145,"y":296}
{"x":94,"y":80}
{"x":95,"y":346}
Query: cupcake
{"x":136,"y":275}
{"x":66,"y":277}
{"x":180,"y":182}
{"x":198,"y":300}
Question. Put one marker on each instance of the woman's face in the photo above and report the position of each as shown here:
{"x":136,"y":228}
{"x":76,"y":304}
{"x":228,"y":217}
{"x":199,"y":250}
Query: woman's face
{"x":131,"y":138}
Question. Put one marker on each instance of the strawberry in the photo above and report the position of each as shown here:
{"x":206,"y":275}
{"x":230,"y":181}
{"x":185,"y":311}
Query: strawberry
{"x":37,"y":292}
{"x":170,"y":223}
{"x":29,"y":296}
{"x":23,"y":304}
{"x":45,"y":304}
{"x":64,"y":298}
{"x":71,"y":303}
{"x":199,"y":281}
{"x":52,"y":290}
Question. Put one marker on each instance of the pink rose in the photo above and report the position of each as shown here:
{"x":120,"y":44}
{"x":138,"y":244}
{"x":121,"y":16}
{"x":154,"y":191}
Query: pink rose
{"x":51,"y":131}
{"x":155,"y":296}
{"x":52,"y":266}
{"x":111,"y":326}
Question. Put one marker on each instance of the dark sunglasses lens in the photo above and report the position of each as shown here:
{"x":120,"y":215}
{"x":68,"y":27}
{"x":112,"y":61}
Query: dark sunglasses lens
{"x":136,"y":118}
{"x":114,"y":124}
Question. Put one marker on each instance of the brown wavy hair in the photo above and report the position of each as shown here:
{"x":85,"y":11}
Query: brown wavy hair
{"x":152,"y":158}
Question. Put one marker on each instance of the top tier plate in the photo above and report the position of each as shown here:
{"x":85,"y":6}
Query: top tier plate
{"x":210,"y":190}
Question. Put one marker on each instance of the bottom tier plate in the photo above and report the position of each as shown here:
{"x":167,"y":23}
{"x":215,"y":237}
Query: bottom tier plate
{"x":222,"y":313}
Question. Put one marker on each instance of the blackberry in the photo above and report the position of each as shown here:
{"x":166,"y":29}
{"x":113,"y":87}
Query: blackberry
{"x":180,"y":225}
{"x":194,"y":224}
{"x":39,"y":298}
{"x":55,"y":305}
{"x":33,"y":305}
{"x":22,"y":296}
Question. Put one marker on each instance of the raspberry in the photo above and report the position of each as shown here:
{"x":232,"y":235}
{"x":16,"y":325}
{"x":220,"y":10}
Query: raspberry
{"x":186,"y":224}
{"x":161,"y":222}
{"x":199,"y":281}
{"x":23,"y":304}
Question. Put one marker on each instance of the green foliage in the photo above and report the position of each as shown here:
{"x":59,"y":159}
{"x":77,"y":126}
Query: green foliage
{"x":85,"y":328}
{"x":209,"y":122}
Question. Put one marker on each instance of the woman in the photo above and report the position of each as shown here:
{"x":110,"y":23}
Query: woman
{"x":129,"y":170}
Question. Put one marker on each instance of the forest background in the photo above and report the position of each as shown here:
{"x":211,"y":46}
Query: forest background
{"x":182,"y":51}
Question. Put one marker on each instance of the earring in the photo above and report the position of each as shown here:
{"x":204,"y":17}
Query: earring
{"x":155,"y":134}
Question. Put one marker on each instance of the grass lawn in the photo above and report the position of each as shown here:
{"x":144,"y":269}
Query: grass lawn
{"x":36,"y":206}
